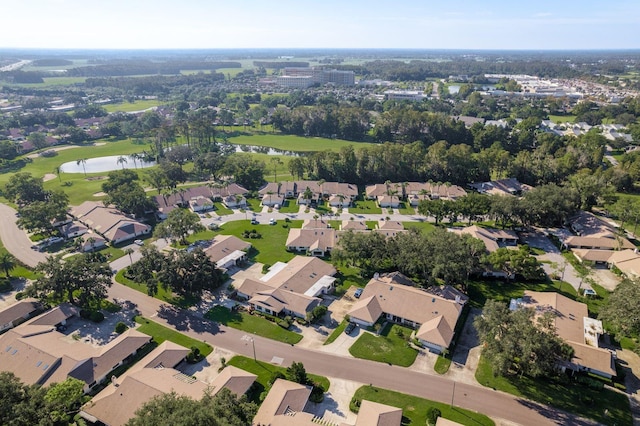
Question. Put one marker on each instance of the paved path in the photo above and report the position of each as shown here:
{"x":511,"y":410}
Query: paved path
{"x":15,"y":240}
{"x":492,"y":403}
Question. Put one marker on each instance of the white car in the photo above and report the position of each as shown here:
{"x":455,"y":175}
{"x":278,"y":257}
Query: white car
{"x":272,"y":221}
{"x":139,"y":242}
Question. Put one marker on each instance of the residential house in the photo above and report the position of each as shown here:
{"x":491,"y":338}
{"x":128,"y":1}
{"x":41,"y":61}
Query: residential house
{"x":198,"y":199}
{"x":510,"y":186}
{"x":227,"y":251}
{"x":353,"y":225}
{"x":37,"y":353}
{"x":91,"y":241}
{"x":286,"y":402}
{"x":235,"y":201}
{"x":572,"y":324}
{"x":110,"y":223}
{"x":156,"y":374}
{"x":73,"y":229}
{"x":433,"y":316}
{"x":18,"y":313}
{"x":413,"y":192}
{"x":492,"y":238}
{"x":291,"y":288}
{"x":594,"y":233}
{"x":627,"y":261}
{"x":389,"y":228}
{"x":315,"y":241}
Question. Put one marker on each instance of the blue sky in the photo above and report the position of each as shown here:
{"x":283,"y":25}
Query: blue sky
{"x":435,"y":24}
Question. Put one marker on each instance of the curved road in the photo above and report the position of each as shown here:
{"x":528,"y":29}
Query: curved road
{"x":15,"y":240}
{"x":492,"y":403}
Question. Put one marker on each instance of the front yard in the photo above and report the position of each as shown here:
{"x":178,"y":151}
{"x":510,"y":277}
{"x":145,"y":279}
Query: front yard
{"x":391,"y":346}
{"x":161,"y":333}
{"x":365,"y":207}
{"x":252,"y":324}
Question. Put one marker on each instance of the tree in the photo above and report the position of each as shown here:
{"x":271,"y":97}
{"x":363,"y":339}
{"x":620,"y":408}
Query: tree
{"x":64,"y":398}
{"x":514,"y":343}
{"x":473,"y":205}
{"x":516,"y":262}
{"x":245,"y":170}
{"x":39,"y":140}
{"x":122,"y":160}
{"x":83,"y":161}
{"x":621,"y":310}
{"x":222,"y":409}
{"x":7,"y":263}
{"x":85,"y":277}
{"x":297,"y":373}
{"x":189,"y":273}
{"x":438,"y":209}
{"x":23,"y":188}
{"x":275,"y":162}
{"x":179,"y":223}
{"x":129,"y":251}
{"x":39,"y":216}
{"x":21,"y":404}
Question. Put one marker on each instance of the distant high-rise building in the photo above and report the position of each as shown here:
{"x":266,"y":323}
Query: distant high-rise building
{"x":299,"y":77}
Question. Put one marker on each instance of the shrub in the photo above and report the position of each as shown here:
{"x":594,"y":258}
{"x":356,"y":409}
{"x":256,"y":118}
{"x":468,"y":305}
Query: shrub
{"x":317,"y":394}
{"x":20,"y":295}
{"x":265,"y":268}
{"x":121,"y":327}
{"x":275,"y":376}
{"x":194,"y":356}
{"x":432,"y":415}
{"x":283,"y":323}
{"x":96,"y":316}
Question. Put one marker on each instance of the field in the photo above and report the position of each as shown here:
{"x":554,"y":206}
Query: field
{"x":295,"y":143}
{"x":138,"y":105}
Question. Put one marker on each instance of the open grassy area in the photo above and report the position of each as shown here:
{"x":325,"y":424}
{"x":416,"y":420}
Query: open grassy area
{"x":294,"y":143}
{"x":442,"y":364}
{"x":254,"y":204}
{"x":414,"y":409}
{"x":423,"y":226}
{"x":348,"y":276}
{"x":389,"y":346}
{"x":220,"y":209}
{"x":481,"y":290}
{"x":405,"y":208}
{"x":20,"y":271}
{"x":289,"y":206}
{"x":604,"y":406}
{"x":562,"y":118}
{"x":161,"y":333}
{"x":265,"y":371}
{"x":252,"y":324}
{"x":162,"y":294}
{"x":365,"y":207}
{"x":271,"y":247}
{"x":137,"y":105}
{"x":336,"y":333}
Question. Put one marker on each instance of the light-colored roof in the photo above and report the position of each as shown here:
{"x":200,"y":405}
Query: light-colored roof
{"x":84,"y":208}
{"x":72,"y":227}
{"x":301,"y":273}
{"x":223,"y":245}
{"x":126,"y":229}
{"x":587,"y":224}
{"x":279,"y":298}
{"x":593,"y":358}
{"x":250,"y":287}
{"x":110,"y":222}
{"x":410,"y":303}
{"x":629,"y":267}
{"x":284,"y":396}
{"x":356,"y":225}
{"x":55,"y":316}
{"x":604,"y":243}
{"x":375,"y":414}
{"x":509,"y":186}
{"x":236,"y":380}
{"x":390,"y":225}
{"x":446,"y":422}
{"x":489,"y":236}
{"x":593,"y":255}
{"x":366,"y":309}
{"x":315,"y":224}
{"x":622,"y":256}
{"x":436,"y":331}
{"x":313,"y":239}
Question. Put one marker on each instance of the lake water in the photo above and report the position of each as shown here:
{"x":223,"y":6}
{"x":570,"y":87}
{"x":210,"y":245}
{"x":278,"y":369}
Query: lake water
{"x":104,"y":164}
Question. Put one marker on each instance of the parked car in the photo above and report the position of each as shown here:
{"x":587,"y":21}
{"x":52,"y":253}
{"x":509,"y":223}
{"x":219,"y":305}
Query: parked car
{"x":272,"y":221}
{"x":138,"y":242}
{"x":358,"y":293}
{"x":55,"y":240}
{"x":350,"y":327}
{"x":254,"y":221}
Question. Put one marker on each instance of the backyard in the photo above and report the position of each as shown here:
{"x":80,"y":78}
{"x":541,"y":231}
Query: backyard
{"x":391,"y":346}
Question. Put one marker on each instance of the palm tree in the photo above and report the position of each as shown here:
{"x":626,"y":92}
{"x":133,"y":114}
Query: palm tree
{"x":82,"y":161}
{"x":122,"y":160}
{"x":7,"y":263}
{"x":275,"y":161}
{"x":321,"y":182}
{"x":56,"y":170}
{"x":129,"y":251}
{"x":270,"y":193}
{"x":315,"y":216}
{"x":135,"y":156}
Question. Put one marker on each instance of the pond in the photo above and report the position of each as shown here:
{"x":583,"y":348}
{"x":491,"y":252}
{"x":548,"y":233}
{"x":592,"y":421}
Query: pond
{"x":265,"y":150}
{"x":105,"y":164}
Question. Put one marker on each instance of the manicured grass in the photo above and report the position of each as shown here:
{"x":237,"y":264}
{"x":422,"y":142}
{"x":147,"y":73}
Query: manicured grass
{"x":220,"y":209}
{"x":423,"y":226}
{"x":20,"y":271}
{"x":289,"y":206}
{"x":562,"y":118}
{"x":604,"y":406}
{"x":414,"y":409}
{"x":348,"y":276}
{"x":254,"y":204}
{"x":54,"y":81}
{"x":442,"y":365}
{"x":271,"y":247}
{"x":294,"y":143}
{"x":162,"y":294}
{"x":388,"y":347}
{"x":265,"y":372}
{"x":365,"y":207}
{"x":336,"y":333}
{"x":481,"y":290}
{"x":137,"y":105}
{"x":161,"y":333}
{"x":405,"y":208}
{"x":252,"y":324}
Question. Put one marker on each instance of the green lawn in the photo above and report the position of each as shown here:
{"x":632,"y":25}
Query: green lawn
{"x":252,"y":324}
{"x":348,"y":276}
{"x":162,"y":294}
{"x":220,"y":209}
{"x":336,"y":333}
{"x":271,"y":247}
{"x":481,"y":290}
{"x":265,"y":371}
{"x":161,"y":333}
{"x":442,"y":364}
{"x":138,"y":105}
{"x":289,"y":206}
{"x":20,"y":271}
{"x":254,"y":204}
{"x":388,"y":347}
{"x":562,"y":118}
{"x":414,"y":409}
{"x":605,"y":406}
{"x":294,"y":143}
{"x":423,"y":226}
{"x":365,"y":207}
{"x":405,"y":208}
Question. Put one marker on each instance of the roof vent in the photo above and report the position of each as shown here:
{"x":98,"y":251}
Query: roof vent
{"x":433,"y":300}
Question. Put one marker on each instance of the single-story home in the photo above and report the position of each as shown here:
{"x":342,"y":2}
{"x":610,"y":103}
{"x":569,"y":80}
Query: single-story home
{"x":573,"y":325}
{"x":227,"y":251}
{"x":509,"y":186}
{"x":315,"y":242}
{"x":433,"y":316}
{"x":235,"y":201}
{"x":112,"y":224}
{"x":492,"y":238}
{"x":19,"y":312}
{"x":73,"y":229}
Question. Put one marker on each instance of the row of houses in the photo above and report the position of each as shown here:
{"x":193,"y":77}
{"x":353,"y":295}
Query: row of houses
{"x":389,"y":195}
{"x":200,"y":199}
{"x":309,"y":192}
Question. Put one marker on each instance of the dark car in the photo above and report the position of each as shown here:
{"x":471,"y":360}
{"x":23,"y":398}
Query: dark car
{"x":358,"y":293}
{"x":350,"y":327}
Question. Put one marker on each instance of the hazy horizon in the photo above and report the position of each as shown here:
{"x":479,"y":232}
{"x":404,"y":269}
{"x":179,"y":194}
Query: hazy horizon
{"x":493,"y":25}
